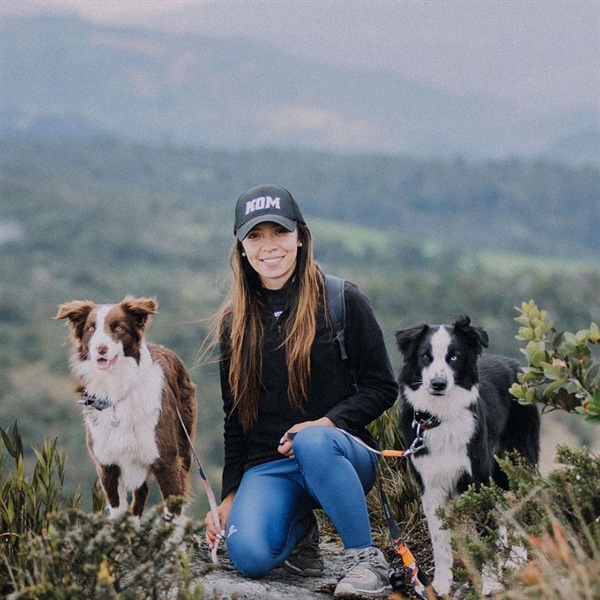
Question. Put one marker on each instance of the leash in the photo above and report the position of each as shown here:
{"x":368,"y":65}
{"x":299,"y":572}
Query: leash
{"x":418,"y":578}
{"x":209,"y":492}
{"x":421,"y":423}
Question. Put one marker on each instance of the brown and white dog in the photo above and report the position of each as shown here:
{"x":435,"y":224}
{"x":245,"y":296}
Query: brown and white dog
{"x":131,"y":391}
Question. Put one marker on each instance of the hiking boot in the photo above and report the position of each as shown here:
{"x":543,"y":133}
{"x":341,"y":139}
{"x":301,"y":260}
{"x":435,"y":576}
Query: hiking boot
{"x":366,"y":574}
{"x":305,"y":558}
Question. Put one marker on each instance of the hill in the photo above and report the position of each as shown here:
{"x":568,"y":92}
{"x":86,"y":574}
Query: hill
{"x":518,"y":205}
{"x":65,"y":78}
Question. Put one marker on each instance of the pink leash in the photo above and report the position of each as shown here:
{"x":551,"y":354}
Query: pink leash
{"x":209,"y":492}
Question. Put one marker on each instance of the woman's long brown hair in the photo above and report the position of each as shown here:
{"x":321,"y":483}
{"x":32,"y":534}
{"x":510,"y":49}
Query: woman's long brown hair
{"x":239,"y":314}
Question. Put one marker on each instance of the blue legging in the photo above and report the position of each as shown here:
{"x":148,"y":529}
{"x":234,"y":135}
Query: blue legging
{"x":330,"y":470}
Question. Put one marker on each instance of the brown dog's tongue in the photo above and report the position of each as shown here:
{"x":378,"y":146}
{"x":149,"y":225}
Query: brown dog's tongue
{"x":104,"y":364}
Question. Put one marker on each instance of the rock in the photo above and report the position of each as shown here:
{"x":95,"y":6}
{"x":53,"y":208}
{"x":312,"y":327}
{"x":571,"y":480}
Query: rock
{"x":224,"y":583}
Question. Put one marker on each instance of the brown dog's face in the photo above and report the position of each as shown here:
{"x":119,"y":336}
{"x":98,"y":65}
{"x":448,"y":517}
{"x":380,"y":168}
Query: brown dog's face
{"x":106,"y":332}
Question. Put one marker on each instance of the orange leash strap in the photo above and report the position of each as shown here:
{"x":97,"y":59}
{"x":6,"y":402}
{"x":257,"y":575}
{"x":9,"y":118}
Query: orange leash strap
{"x":418,"y":578}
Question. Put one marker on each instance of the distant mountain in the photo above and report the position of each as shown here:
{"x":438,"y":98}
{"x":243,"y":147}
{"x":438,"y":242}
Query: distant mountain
{"x":65,"y":78}
{"x":577,"y":147}
{"x":21,"y":124}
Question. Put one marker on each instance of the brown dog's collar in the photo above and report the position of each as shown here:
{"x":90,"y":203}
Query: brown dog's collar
{"x":96,"y":401}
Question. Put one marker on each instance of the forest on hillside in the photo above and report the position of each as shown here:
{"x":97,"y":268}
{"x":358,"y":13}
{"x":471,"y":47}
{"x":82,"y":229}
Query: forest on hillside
{"x":425,"y":240}
{"x":536,"y":207}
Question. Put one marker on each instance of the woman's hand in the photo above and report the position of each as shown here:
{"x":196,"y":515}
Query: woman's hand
{"x":286,"y":443}
{"x":213,"y":535}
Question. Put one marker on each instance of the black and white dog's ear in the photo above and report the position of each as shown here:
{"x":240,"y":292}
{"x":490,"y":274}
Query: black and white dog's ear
{"x":406,"y":339}
{"x":462,"y":326}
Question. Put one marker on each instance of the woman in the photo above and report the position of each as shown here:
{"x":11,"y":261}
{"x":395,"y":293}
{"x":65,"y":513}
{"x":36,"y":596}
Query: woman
{"x":295,"y":412}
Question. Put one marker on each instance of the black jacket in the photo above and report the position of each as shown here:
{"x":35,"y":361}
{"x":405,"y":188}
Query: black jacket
{"x":352,"y":393}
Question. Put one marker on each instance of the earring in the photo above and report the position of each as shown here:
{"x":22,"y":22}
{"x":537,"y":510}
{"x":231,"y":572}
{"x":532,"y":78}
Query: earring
{"x":300,"y":244}
{"x":243,"y":254}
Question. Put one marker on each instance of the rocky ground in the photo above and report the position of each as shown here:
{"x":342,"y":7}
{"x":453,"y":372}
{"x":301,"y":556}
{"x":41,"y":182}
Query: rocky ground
{"x":224,"y":583}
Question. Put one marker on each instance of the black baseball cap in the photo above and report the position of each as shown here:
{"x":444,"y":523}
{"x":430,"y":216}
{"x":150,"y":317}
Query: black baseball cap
{"x":265,"y":203}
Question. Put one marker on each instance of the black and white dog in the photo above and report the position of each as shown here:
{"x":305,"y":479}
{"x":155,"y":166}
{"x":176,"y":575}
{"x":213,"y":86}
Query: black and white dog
{"x":461,"y":399}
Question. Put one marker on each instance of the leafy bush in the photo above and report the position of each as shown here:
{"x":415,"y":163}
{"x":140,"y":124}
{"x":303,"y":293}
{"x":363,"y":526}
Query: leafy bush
{"x":557,"y":519}
{"x":51,"y":549}
{"x":87,"y":555}
{"x":25,"y":506}
{"x":561,"y":371}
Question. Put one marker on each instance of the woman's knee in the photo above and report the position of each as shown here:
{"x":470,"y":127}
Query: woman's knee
{"x":249,"y":557}
{"x":318,"y":449}
{"x":316,"y":442}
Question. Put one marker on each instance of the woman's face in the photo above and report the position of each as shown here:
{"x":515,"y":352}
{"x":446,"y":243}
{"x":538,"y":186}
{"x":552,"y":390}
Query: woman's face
{"x":272,"y":251}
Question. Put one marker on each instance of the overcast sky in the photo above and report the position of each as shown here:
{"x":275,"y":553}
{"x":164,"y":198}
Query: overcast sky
{"x":527,"y":51}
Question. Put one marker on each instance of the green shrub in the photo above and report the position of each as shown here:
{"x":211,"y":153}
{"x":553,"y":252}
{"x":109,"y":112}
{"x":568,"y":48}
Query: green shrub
{"x":88,"y":555}
{"x":26,"y":505}
{"x":50,"y":549}
{"x":561,"y":371}
{"x":556,"y":518}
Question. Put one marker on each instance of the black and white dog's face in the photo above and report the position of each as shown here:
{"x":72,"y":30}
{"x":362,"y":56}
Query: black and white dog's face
{"x":439,"y":358}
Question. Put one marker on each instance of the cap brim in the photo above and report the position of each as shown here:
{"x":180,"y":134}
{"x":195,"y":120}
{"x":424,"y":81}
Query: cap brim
{"x":244,"y":229}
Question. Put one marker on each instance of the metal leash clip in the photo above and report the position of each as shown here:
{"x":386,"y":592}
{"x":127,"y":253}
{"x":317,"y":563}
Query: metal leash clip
{"x":421,"y":427}
{"x":419,"y":441}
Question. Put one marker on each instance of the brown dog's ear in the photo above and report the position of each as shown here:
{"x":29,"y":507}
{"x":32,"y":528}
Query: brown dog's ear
{"x":77,"y":312}
{"x":140,"y":308}
{"x":407,"y":338}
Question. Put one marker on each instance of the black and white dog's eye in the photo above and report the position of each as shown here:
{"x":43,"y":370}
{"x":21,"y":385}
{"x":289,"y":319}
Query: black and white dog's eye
{"x":426,"y":358}
{"x":453,"y":358}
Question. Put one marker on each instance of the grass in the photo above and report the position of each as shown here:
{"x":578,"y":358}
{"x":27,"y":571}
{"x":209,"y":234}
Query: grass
{"x":507,"y":263}
{"x":354,"y":238}
{"x":357,"y":240}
